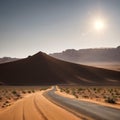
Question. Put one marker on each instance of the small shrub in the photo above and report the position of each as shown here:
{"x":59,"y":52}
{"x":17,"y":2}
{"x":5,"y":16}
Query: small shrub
{"x":14,"y":92}
{"x":0,"y":98}
{"x":29,"y":91}
{"x":67,"y":91}
{"x":23,"y":92}
{"x":3,"y":106}
{"x":80,"y":89}
{"x":76,"y":96}
{"x":18,"y":95}
{"x":94,"y":89}
{"x":73,"y":92}
{"x":7,"y":102}
{"x":111,"y":100}
{"x":33,"y":91}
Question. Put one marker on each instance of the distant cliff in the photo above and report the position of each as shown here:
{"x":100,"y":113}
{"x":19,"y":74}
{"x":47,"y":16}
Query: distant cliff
{"x":7,"y":59}
{"x":89,"y":55}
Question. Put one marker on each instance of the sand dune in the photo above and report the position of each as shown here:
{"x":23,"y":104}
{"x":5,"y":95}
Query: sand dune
{"x":41,"y":69}
{"x":35,"y":107}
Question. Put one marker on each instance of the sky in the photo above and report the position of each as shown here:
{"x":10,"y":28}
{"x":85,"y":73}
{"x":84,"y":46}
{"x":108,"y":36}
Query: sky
{"x":30,"y":26}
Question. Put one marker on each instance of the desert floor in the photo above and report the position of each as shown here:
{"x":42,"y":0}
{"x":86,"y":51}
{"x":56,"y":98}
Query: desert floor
{"x":88,"y":94}
{"x":45,"y":103}
{"x":35,"y":107}
{"x":111,"y":66}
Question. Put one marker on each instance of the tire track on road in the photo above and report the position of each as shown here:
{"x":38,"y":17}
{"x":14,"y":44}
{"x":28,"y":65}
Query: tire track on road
{"x":23,"y":116}
{"x":38,"y":109}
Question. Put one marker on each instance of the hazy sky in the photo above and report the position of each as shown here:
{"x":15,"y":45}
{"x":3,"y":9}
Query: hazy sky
{"x":29,"y":26}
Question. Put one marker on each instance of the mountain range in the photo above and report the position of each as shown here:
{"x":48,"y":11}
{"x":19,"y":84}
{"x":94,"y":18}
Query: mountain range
{"x":107,"y":55}
{"x":7,"y":59}
{"x":83,"y":55}
{"x":42,"y":69}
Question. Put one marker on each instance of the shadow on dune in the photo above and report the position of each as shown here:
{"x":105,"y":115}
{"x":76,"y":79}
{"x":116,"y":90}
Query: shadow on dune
{"x":41,"y":69}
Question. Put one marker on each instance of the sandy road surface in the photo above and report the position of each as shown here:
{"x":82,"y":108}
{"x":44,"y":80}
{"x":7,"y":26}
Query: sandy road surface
{"x":92,"y":110}
{"x":36,"y":107}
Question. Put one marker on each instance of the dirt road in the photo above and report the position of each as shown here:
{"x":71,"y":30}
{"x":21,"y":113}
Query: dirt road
{"x":36,"y":107}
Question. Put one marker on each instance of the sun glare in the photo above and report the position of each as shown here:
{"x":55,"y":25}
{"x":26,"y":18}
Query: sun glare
{"x":99,"y":24}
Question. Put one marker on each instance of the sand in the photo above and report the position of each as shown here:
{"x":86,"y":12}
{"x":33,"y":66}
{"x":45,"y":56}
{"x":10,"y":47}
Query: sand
{"x":35,"y":107}
{"x":64,"y":94}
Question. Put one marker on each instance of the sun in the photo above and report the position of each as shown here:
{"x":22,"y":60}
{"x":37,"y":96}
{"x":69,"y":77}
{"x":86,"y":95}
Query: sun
{"x":99,"y":24}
